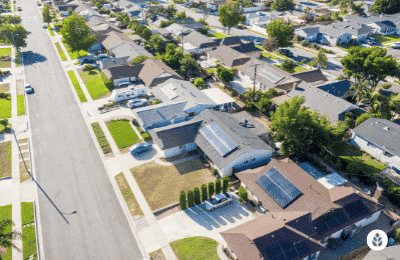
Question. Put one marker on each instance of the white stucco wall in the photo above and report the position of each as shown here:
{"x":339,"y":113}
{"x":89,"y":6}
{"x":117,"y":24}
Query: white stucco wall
{"x":197,"y":109}
{"x":178,"y":150}
{"x":248,"y":80}
{"x":368,"y":220}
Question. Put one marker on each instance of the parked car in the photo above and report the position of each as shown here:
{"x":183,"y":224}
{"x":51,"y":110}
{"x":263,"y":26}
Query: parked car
{"x":218,"y":201}
{"x":87,"y":57}
{"x":124,"y":84}
{"x":19,"y":8}
{"x":44,"y":26}
{"x":136,"y":102}
{"x":140,"y":148}
{"x":257,"y":41}
{"x":28,"y":88}
{"x":103,"y":57}
{"x":285,"y":52}
{"x":367,"y":191}
{"x":85,"y":61}
{"x":395,"y":45}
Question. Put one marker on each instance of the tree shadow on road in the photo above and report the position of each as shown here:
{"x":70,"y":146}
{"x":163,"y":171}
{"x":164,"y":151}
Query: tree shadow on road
{"x":31,"y":58}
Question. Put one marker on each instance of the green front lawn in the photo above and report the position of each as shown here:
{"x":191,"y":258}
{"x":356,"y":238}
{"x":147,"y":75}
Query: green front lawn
{"x":296,"y":69}
{"x":75,"y":55}
{"x":27,"y":213}
{"x":5,"y":105}
{"x":122,"y":133}
{"x":211,"y":70}
{"x":29,"y":242}
{"x":217,"y":35}
{"x":350,"y":153}
{"x":61,"y":52}
{"x":50,"y":30}
{"x":94,"y":84}
{"x":5,"y":51}
{"x":20,"y":105}
{"x":6,"y":213}
{"x":387,"y":39}
{"x":269,"y":56}
{"x":195,"y":248}
{"x":77,"y":86}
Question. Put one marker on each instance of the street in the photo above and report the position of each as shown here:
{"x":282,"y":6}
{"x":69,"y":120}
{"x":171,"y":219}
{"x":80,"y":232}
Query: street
{"x":80,"y":215}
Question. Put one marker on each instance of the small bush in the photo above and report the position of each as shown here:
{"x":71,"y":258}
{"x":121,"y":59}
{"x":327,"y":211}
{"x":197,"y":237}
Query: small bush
{"x":204,"y":194}
{"x":211,"y":189}
{"x":182,"y":200}
{"x":134,"y":122}
{"x":305,"y":43}
{"x":243,"y":193}
{"x":197,"y":199}
{"x":215,"y":171}
{"x":101,"y":138}
{"x":190,"y":198}
{"x":88,"y":67}
{"x":146,"y":137}
{"x":225,"y":184}
{"x":250,"y":106}
{"x":218,"y":186}
{"x":241,"y":200}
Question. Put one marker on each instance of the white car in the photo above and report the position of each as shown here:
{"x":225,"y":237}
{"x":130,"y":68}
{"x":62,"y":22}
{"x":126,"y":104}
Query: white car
{"x":395,"y":45}
{"x":136,"y":102}
{"x":218,"y":200}
{"x":258,"y":42}
{"x":28,"y":88}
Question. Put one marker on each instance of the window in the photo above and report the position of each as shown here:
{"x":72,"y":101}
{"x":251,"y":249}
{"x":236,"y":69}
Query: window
{"x":246,"y":161}
{"x":387,"y":154}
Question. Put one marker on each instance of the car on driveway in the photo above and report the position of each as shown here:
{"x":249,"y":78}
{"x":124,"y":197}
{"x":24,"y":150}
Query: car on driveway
{"x":28,"y":88}
{"x":258,"y":42}
{"x":136,"y":102}
{"x":218,"y":201}
{"x":395,"y":45}
{"x":140,"y":148}
{"x":103,"y":57}
{"x":285,"y":52}
{"x":124,"y":84}
{"x":85,"y":61}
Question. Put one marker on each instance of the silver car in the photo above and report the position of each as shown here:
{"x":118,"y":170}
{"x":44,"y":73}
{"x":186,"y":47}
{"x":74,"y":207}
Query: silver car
{"x":218,"y":201}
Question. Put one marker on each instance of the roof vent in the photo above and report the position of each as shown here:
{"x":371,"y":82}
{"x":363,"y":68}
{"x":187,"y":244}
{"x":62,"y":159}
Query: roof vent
{"x":337,"y":101}
{"x":317,"y":90}
{"x":244,"y":122}
{"x":377,"y":122}
{"x":386,"y":128}
{"x":326,"y":95}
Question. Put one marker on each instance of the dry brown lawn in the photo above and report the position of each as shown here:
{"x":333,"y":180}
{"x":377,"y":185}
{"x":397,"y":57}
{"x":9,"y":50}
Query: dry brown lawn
{"x":24,"y":147}
{"x":23,"y":141}
{"x":161,"y":185}
{"x":5,"y":63}
{"x":24,"y":175}
{"x":5,"y":159}
{"x":25,"y":155}
{"x":127,"y":193}
{"x":5,"y":87}
{"x":157,"y":255}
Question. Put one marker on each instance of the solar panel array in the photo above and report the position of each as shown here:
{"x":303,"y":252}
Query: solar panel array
{"x":278,"y":187}
{"x":220,"y":140}
{"x":269,"y":76}
{"x":356,"y":209}
{"x":331,"y":223}
{"x":287,"y":250}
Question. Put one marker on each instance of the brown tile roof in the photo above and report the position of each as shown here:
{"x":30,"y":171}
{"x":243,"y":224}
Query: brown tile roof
{"x":228,"y":56}
{"x":123,"y":71}
{"x":153,"y":69}
{"x":114,"y":38}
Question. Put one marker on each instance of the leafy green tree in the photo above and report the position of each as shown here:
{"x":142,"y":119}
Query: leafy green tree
{"x":157,"y":43}
{"x":243,"y":193}
{"x":19,"y":33}
{"x":230,"y":14}
{"x":356,"y":9}
{"x":250,"y":106}
{"x":75,"y":33}
{"x":182,"y":200}
{"x":196,"y":192}
{"x":385,"y":7}
{"x":190,"y":198}
{"x":188,"y":65}
{"x":395,"y":103}
{"x":281,"y":31}
{"x":133,"y":24}
{"x":218,"y":186}
{"x":225,"y":184}
{"x":283,"y":5}
{"x":181,"y":15}
{"x":204,"y":194}
{"x":270,"y":44}
{"x":288,"y":65}
{"x":321,"y":60}
{"x":139,"y":29}
{"x":139,"y":59}
{"x":202,"y":21}
{"x":146,"y":34}
{"x":265,"y":105}
{"x":170,"y":12}
{"x":211,"y":189}
{"x":6,"y":238}
{"x":199,"y":83}
{"x":46,"y":14}
{"x":225,"y":74}
{"x":370,"y":64}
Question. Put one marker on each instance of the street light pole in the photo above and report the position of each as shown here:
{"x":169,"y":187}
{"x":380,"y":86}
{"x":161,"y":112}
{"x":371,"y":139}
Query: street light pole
{"x":254,"y":81}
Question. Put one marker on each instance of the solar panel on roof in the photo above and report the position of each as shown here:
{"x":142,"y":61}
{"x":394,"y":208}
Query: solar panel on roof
{"x":222,"y":142}
{"x":269,"y":76}
{"x":356,"y":209}
{"x":331,"y":223}
{"x":226,"y":139}
{"x":302,"y":248}
{"x":216,"y":143}
{"x":291,"y":190}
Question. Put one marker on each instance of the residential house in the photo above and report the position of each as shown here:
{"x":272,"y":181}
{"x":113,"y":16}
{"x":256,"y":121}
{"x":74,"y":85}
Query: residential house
{"x":114,"y":38}
{"x":250,"y":49}
{"x":177,"y":30}
{"x":125,"y":5}
{"x":132,"y":50}
{"x":113,"y":62}
{"x":251,"y":123}
{"x":64,"y":9}
{"x":229,"y":41}
{"x":156,"y":72}
{"x":195,"y":26}
{"x":165,"y":35}
{"x":227,"y":57}
{"x":314,"y":77}
{"x":338,"y":88}
{"x":381,"y":139}
{"x":268,"y":76}
{"x":261,"y":18}
{"x":304,"y":214}
{"x":195,"y":43}
{"x":101,"y":32}
{"x":185,"y":21}
{"x":95,"y":20}
{"x":123,"y":73}
{"x":230,"y":146}
{"x":382,"y":23}
{"x":156,"y":22}
{"x":214,"y":4}
{"x":309,"y":33}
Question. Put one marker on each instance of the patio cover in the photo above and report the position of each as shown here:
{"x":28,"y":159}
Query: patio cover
{"x":218,"y":96}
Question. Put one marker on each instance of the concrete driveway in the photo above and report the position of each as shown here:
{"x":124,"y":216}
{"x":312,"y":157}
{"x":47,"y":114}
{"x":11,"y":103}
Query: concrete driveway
{"x":394,"y":52}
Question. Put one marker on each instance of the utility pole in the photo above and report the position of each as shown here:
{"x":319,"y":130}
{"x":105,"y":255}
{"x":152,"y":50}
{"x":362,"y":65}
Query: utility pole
{"x":254,"y":81}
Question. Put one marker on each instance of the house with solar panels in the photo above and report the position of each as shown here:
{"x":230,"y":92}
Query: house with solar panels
{"x":305,"y":214}
{"x":227,"y":142}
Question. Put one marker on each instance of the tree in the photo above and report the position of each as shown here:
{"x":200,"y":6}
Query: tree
{"x":243,"y":193}
{"x":204,"y":194}
{"x":46,"y":14}
{"x":157,"y":43}
{"x":170,"y":12}
{"x":265,"y":105}
{"x":139,"y":59}
{"x":370,"y":64}
{"x":6,"y":238}
{"x":288,"y":65}
{"x":270,"y":44}
{"x":196,"y":192}
{"x":356,"y":9}
{"x":283,"y":5}
{"x":181,"y":15}
{"x":19,"y":33}
{"x":146,"y":34}
{"x":70,"y":11}
{"x":190,"y":198}
{"x":385,"y":7}
{"x":321,"y":60}
{"x":282,"y":32}
{"x":230,"y":14}
{"x":202,"y":21}
{"x":395,"y":103}
{"x":225,"y":184}
{"x":199,"y":83}
{"x":225,"y":74}
{"x":210,"y":189}
{"x":218,"y":186}
{"x":75,"y":33}
{"x":361,"y":119}
{"x":250,"y":106}
{"x":188,"y":65}
{"x":133,"y":24}
{"x":182,"y":200}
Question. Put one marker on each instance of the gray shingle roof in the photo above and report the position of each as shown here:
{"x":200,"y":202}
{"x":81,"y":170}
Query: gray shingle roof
{"x":123,"y":71}
{"x":338,"y":88}
{"x":233,"y":40}
{"x":246,"y":140}
{"x":310,"y":30}
{"x":105,"y":64}
{"x":337,"y":29}
{"x":114,"y":38}
{"x":311,"y":76}
{"x":373,"y":130}
{"x":199,"y":40}
{"x":132,"y":50}
{"x":228,"y":56}
{"x":158,"y":113}
{"x":246,"y":48}
{"x":184,"y":91}
{"x":153,"y":69}
{"x":253,"y":124}
{"x":195,"y":26}
{"x":95,"y":20}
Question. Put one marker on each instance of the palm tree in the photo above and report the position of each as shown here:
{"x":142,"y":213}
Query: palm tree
{"x":7,"y":237}
{"x":321,"y":60}
{"x":361,"y":92}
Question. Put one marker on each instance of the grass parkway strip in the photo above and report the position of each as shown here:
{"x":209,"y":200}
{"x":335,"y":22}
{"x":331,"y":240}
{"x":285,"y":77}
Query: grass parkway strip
{"x":77,"y":86}
{"x":61,"y":52}
{"x":101,"y":138}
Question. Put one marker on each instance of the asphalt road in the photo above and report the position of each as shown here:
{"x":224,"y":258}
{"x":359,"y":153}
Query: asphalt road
{"x":80,"y":215}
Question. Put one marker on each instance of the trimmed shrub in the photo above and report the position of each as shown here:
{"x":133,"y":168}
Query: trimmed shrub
{"x":210,"y":189}
{"x":182,"y":200}
{"x":225,"y":184}
{"x":397,"y":235}
{"x":196,"y":192}
{"x":218,"y":186}
{"x":146,"y":137}
{"x":243,"y":193}
{"x":250,"y":106}
{"x":305,"y":43}
{"x":215,"y":171}
{"x":88,"y":67}
{"x":190,"y":198}
{"x":204,"y":194}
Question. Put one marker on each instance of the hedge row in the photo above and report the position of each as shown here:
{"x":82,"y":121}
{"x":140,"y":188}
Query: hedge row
{"x":101,"y":138}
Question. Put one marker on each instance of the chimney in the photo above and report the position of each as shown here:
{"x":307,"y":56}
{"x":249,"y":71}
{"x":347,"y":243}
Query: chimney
{"x":295,"y":85}
{"x":378,"y":192}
